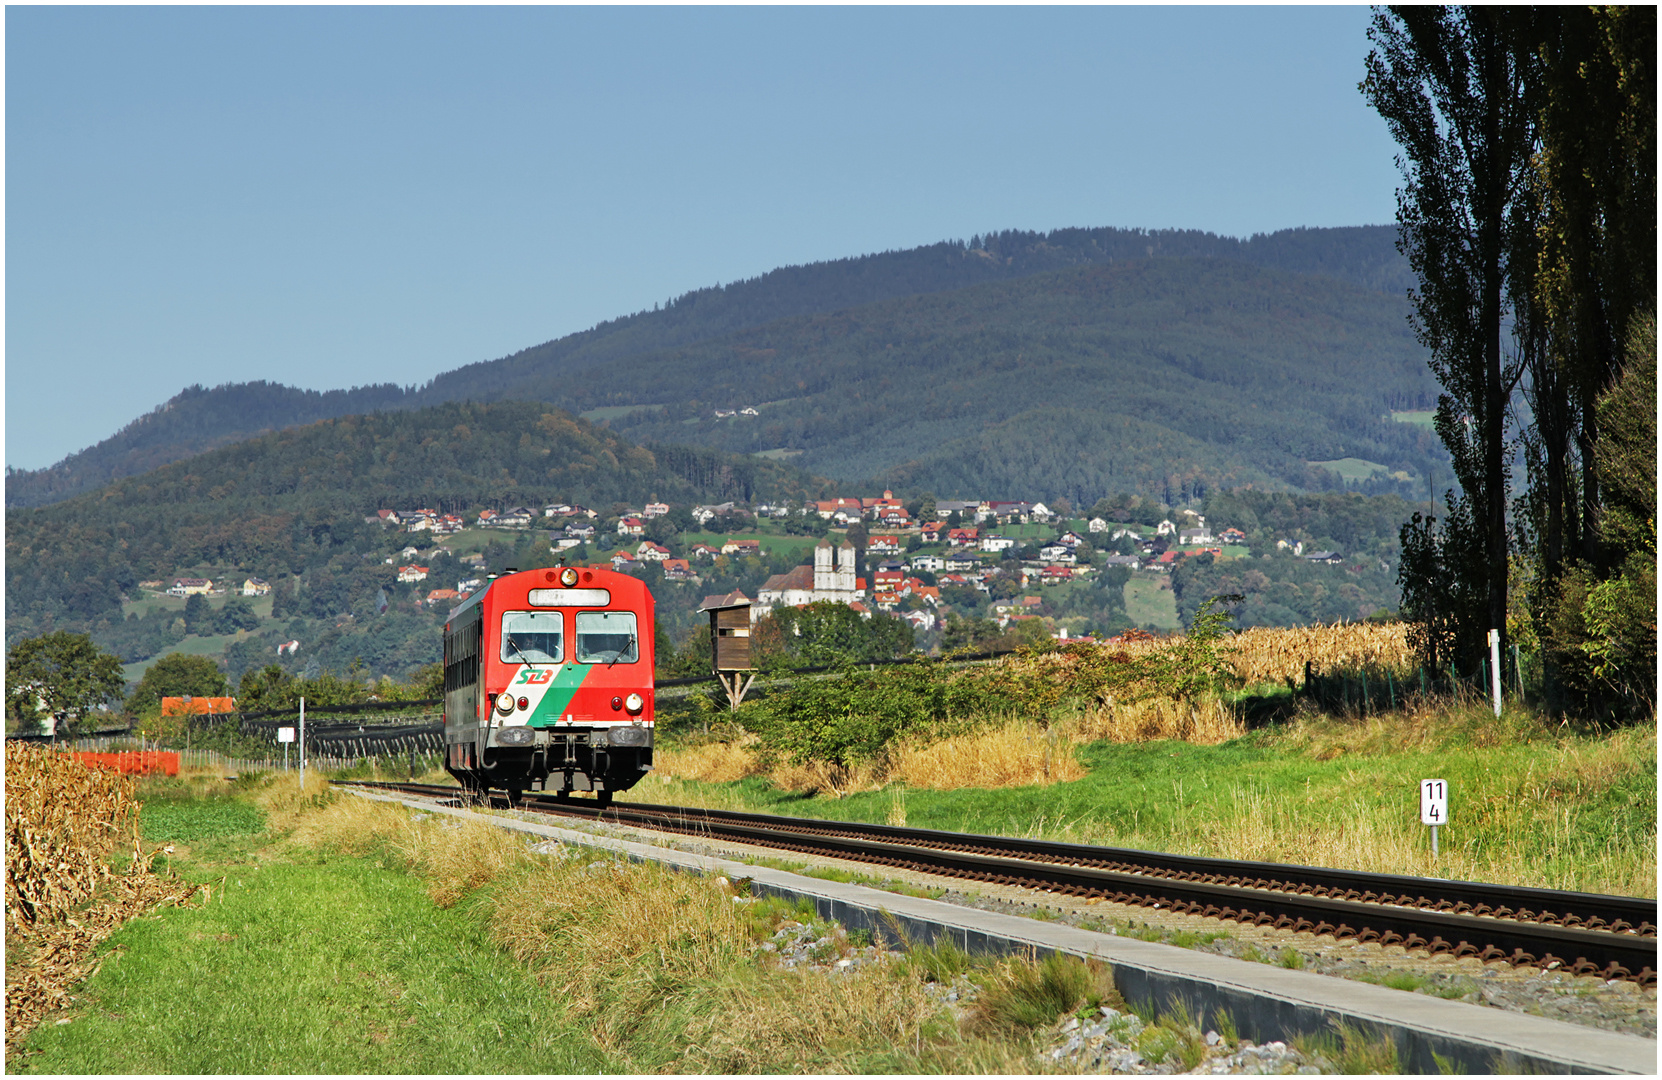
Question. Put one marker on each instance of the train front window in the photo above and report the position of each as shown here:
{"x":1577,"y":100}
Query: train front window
{"x":532,"y":637}
{"x":606,"y":637}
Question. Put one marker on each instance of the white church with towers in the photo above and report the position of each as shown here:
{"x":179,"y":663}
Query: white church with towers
{"x":832,"y":577}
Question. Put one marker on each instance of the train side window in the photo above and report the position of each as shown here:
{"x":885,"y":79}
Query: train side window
{"x":606,"y":637}
{"x":532,"y":637}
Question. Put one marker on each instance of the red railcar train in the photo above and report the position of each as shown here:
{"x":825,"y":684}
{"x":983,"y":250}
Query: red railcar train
{"x":548,"y":684}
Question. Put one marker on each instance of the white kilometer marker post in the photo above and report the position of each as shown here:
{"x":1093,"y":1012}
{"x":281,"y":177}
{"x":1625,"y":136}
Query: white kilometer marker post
{"x":285,"y":735}
{"x":1433,"y":807}
{"x":1494,"y":667}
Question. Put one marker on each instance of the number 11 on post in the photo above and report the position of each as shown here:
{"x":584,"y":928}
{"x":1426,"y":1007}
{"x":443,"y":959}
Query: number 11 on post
{"x":1433,"y":807}
{"x":1433,"y":802}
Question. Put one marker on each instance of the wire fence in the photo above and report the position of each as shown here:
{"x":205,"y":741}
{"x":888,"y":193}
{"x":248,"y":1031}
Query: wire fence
{"x":410,"y":756}
{"x":1364,"y":691}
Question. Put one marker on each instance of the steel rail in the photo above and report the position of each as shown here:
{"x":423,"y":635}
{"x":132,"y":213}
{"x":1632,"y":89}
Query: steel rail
{"x":1285,"y":900}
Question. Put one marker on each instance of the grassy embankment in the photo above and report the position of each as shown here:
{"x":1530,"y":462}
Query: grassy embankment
{"x":1533,"y":801}
{"x":345,"y":936}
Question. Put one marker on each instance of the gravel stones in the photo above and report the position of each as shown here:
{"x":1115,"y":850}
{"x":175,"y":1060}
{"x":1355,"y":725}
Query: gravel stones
{"x":1120,"y":1043}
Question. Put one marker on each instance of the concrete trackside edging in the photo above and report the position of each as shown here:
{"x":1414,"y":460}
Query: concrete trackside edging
{"x":1265,"y":1003}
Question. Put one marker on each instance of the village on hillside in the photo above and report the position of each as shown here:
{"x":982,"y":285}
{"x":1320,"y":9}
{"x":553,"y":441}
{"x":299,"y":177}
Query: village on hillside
{"x":874,"y":553}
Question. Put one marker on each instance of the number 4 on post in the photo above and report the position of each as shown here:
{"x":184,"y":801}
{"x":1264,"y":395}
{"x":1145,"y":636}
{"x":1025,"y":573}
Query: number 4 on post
{"x":1433,"y":807}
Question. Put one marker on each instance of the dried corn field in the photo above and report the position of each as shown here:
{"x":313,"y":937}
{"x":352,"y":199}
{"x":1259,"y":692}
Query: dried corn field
{"x":63,"y":822}
{"x":1263,"y":654}
{"x":1277,"y":654}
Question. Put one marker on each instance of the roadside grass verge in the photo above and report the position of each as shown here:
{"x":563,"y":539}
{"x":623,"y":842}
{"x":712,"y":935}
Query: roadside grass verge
{"x":304,"y":962}
{"x":352,"y":936}
{"x":1531,"y":803}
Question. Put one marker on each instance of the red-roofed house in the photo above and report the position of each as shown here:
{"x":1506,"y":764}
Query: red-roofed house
{"x":412,"y":573}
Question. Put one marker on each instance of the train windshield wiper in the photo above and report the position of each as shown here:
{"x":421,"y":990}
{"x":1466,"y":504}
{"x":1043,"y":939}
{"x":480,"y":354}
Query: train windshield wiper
{"x":619,"y":655}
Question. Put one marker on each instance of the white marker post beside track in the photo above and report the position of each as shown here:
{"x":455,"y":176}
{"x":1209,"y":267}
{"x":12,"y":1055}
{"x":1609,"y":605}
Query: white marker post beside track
{"x":1494,"y":667}
{"x":1433,"y":807}
{"x":302,"y":746}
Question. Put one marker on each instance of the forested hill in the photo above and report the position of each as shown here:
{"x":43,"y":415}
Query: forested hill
{"x":289,"y":501}
{"x":1160,"y":376}
{"x":198,"y":420}
{"x":1362,"y":256}
{"x":192,"y":421}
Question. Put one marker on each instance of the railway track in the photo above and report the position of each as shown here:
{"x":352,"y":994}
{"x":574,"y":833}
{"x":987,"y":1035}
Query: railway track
{"x":1587,"y":934}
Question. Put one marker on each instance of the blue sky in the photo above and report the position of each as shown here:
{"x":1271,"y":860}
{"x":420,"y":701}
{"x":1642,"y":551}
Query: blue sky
{"x":331,"y":197}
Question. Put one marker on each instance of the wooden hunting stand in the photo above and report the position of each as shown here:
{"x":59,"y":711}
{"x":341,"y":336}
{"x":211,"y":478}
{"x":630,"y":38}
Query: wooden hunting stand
{"x":730,"y":644}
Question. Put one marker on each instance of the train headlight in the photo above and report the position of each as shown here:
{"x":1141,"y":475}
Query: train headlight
{"x":634,"y":703}
{"x":568,"y":576}
{"x":504,"y":703}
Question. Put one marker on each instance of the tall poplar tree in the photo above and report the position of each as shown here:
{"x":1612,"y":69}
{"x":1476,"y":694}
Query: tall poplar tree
{"x":1454,"y":87}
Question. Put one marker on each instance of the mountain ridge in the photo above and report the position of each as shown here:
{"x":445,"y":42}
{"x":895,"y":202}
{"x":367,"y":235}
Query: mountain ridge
{"x":197,"y":420}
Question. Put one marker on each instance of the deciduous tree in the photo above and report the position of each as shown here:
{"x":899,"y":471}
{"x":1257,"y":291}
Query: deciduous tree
{"x":60,"y":674}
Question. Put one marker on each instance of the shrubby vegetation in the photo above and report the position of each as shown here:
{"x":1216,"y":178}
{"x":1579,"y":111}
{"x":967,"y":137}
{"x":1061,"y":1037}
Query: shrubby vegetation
{"x":862,"y":715}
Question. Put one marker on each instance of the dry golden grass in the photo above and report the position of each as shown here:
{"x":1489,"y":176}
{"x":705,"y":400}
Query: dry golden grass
{"x":1203,"y":722}
{"x":832,"y":779}
{"x":454,"y":855}
{"x":1018,"y":754}
{"x":711,"y":762}
{"x":601,"y":933}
